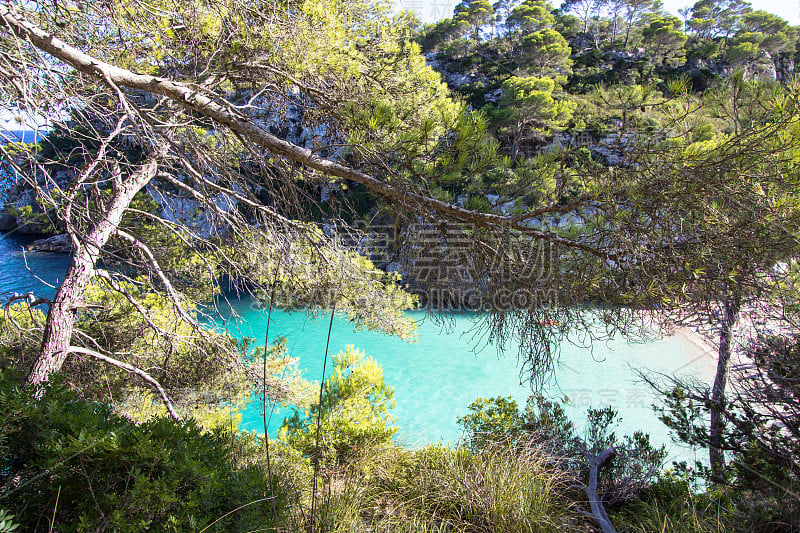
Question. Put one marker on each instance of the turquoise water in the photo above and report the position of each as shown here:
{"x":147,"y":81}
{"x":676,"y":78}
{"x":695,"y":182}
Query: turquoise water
{"x":443,"y":371}
{"x":439,"y":375}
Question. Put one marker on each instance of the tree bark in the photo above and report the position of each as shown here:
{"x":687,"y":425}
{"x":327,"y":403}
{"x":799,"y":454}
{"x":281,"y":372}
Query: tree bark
{"x":628,"y":29}
{"x":730,"y":309}
{"x":516,"y":138}
{"x":69,"y":298}
{"x":595,"y":503}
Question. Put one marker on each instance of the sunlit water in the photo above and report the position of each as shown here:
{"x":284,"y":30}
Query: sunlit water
{"x":22,"y":272}
{"x":442,"y":372}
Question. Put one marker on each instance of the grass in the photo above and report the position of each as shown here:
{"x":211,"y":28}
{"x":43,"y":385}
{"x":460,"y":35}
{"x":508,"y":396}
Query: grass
{"x":441,"y":489}
{"x":670,"y":506}
{"x":653,"y":517}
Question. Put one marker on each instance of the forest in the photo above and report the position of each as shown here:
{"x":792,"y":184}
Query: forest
{"x":593,"y":170}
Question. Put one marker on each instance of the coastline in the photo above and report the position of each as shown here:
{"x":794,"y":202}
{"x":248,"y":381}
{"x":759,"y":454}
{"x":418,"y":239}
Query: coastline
{"x":697,"y":342}
{"x":702,"y":343}
{"x":703,"y":351}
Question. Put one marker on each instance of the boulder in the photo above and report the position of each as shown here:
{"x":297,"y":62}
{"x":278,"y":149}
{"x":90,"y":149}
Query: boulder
{"x":60,"y":244}
{"x":493,"y":96}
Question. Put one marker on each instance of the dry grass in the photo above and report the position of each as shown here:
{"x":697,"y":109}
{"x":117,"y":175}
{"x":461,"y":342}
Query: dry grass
{"x":438,"y":489}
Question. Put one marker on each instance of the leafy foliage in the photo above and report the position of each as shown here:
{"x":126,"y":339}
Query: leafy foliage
{"x":190,"y":368}
{"x":543,"y":425}
{"x":498,"y":420}
{"x":354,"y":412}
{"x":663,"y":38}
{"x":107,"y":472}
{"x":7,"y":524}
{"x":531,"y":108}
{"x":547,"y":52}
{"x":762,"y":434}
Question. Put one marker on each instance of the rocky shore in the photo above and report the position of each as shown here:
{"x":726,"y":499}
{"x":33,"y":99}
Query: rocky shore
{"x":60,"y":244}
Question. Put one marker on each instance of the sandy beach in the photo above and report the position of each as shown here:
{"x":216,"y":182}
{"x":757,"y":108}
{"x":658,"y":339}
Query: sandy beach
{"x":703,"y":350}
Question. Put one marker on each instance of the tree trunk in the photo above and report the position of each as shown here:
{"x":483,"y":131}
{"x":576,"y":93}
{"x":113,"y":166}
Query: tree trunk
{"x":613,"y":32}
{"x":69,"y":298}
{"x":515,"y":141}
{"x":628,"y":33}
{"x":599,"y":513}
{"x":58,"y":329}
{"x":729,"y":319}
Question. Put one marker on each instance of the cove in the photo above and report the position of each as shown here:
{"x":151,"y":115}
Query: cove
{"x":42,"y":268}
{"x":439,"y":375}
{"x":445,"y":369}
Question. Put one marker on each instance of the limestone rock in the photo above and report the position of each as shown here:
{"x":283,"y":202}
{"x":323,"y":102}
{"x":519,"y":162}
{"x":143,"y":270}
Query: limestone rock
{"x":60,"y":244}
{"x":8,"y":222}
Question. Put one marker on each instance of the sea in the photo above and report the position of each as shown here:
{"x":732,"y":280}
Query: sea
{"x":438,"y":374}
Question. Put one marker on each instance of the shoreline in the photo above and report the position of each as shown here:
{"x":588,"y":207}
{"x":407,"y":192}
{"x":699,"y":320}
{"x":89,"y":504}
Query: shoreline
{"x":702,"y":343}
{"x":703,"y":353}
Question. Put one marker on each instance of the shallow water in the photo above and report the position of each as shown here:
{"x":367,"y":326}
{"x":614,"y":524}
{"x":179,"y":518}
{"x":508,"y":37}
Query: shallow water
{"x":442,"y":372}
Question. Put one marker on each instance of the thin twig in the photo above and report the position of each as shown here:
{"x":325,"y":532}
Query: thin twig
{"x":264,"y":397}
{"x":319,"y":423}
{"x":130,"y":368}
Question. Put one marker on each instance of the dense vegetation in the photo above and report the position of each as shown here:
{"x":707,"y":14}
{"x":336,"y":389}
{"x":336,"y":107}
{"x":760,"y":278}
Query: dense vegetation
{"x":657,"y":158}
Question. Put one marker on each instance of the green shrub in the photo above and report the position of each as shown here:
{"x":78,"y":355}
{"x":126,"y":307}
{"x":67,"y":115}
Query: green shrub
{"x":191,"y":369}
{"x":7,"y":524}
{"x":90,"y":469}
{"x":543,"y":425}
{"x":354,"y":411}
{"x":497,"y":420}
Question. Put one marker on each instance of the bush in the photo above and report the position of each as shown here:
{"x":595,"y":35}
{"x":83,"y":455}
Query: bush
{"x":192,"y":370}
{"x":497,"y":420}
{"x":354,"y":411}
{"x":543,"y":425}
{"x":85,"y":468}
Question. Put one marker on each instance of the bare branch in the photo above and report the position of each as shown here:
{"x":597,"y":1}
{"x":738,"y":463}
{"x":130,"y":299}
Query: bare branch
{"x":227,"y":115}
{"x":132,"y":369}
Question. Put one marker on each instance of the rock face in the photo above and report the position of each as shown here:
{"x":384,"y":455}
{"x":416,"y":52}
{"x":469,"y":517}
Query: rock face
{"x":22,"y":212}
{"x":33,"y":226}
{"x":8,"y":222}
{"x":60,"y":244}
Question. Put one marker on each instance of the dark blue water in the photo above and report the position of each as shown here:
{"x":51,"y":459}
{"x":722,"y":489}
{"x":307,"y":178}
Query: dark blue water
{"x":26,"y":136}
{"x":23,"y":272}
